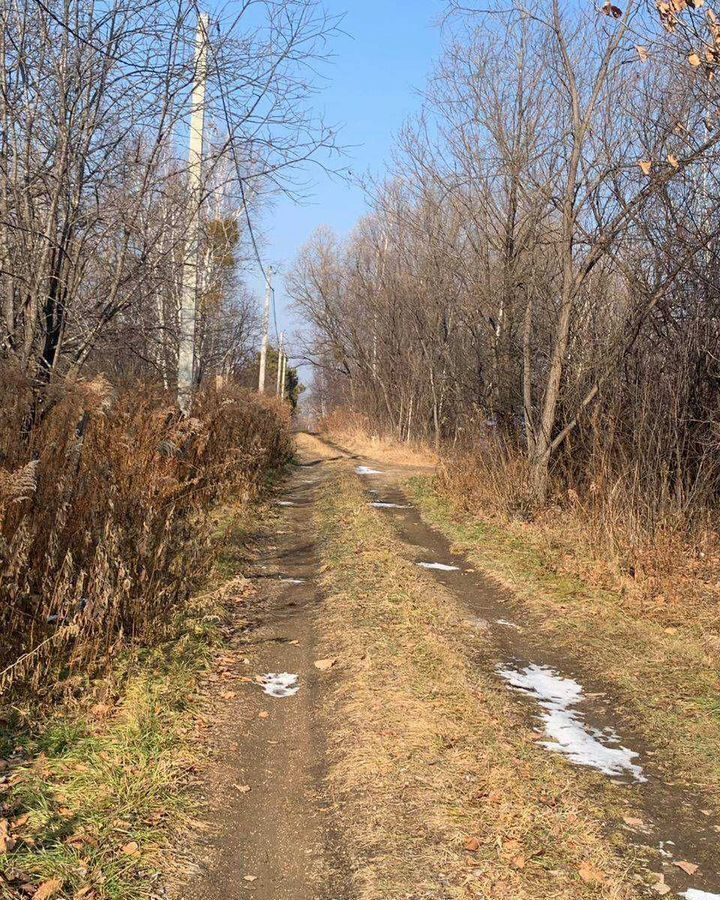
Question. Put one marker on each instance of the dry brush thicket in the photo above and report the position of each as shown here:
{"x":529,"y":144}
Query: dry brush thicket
{"x":104,"y":487}
{"x":535,"y":289}
{"x":105,"y":516}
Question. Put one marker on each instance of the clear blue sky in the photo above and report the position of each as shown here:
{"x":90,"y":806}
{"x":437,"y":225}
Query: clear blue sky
{"x":372,"y":87}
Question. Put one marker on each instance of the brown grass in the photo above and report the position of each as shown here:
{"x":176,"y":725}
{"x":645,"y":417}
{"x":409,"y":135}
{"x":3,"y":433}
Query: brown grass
{"x":430,"y":755}
{"x":104,"y":499}
{"x":353,"y":432}
{"x":667,"y":566}
{"x":96,"y":791}
{"x":659,"y":655}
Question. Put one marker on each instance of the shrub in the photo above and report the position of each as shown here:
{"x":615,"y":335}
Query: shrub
{"x":104,"y":504}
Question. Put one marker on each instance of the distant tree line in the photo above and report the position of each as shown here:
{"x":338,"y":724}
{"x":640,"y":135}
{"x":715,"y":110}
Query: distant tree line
{"x":539,"y":271}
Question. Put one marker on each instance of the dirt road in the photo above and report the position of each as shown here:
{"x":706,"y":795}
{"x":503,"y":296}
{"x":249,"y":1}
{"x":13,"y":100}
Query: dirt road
{"x":276,"y":833}
{"x":273,"y":833}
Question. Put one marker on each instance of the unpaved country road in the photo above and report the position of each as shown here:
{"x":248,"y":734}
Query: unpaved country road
{"x":274,"y":836}
{"x":677,"y":828}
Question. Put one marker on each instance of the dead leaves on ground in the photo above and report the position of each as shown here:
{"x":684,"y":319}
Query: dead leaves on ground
{"x":48,"y":889}
{"x":131,"y":849}
{"x":660,"y":887}
{"x":325,"y":665}
{"x":590,"y":874}
{"x":687,"y":867}
{"x":633,"y":822}
{"x":7,"y":842}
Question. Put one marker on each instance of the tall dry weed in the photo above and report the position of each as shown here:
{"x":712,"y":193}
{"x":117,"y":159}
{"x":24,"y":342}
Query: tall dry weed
{"x":104,"y":503}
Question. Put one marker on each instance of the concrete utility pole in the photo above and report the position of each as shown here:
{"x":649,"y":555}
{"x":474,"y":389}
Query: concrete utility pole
{"x":266,"y":327}
{"x":279,"y":363}
{"x":188,"y":300}
{"x":283,"y":376}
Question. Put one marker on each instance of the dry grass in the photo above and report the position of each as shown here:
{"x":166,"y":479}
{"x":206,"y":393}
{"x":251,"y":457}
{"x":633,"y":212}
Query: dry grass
{"x":353,"y":432}
{"x":104,"y":498}
{"x":666,"y":563}
{"x":430,"y":754}
{"x":660,"y":653}
{"x":95,"y":793}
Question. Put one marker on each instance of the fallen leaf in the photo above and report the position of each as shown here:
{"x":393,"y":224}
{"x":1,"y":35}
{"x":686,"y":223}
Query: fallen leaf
{"x":249,"y":877}
{"x":590,"y":874}
{"x":228,"y":695}
{"x":643,"y":53}
{"x":48,"y":889}
{"x":633,"y":822}
{"x":687,"y":867}
{"x":6,"y":842}
{"x":243,"y":788}
{"x":472,"y":845}
{"x":519,"y":862}
{"x":84,"y":893}
{"x":660,"y":887}
{"x":263,"y":714}
{"x":325,"y":664}
{"x":646,"y":166}
{"x":131,"y":849}
{"x":673,"y":160}
{"x":694,"y":60}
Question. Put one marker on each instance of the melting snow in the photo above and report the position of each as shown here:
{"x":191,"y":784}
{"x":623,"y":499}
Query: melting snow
{"x":566,"y":728}
{"x":292,"y":581}
{"x":695,"y":894}
{"x":382,"y":504}
{"x":508,"y":624}
{"x":279,"y":684}
{"x":439,"y":566}
{"x":285,"y":503}
{"x":364,"y":470}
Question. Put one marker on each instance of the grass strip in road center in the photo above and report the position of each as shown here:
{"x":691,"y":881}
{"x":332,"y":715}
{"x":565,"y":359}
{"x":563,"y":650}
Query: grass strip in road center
{"x":442,"y":790}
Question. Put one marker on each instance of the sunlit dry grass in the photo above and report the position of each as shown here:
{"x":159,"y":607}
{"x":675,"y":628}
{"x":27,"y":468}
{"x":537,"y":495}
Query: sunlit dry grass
{"x":353,"y":432}
{"x":661,"y":652}
{"x":104,"y":501}
{"x":441,"y":788}
{"x":96,"y":796}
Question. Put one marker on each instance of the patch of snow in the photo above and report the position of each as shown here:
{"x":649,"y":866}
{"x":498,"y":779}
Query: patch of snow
{"x":292,"y":581}
{"x":285,"y":503}
{"x":441,"y":567}
{"x":383,"y":504}
{"x":508,"y":624}
{"x":565,"y":727}
{"x":364,"y":470}
{"x":695,"y":894}
{"x":279,"y":684}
